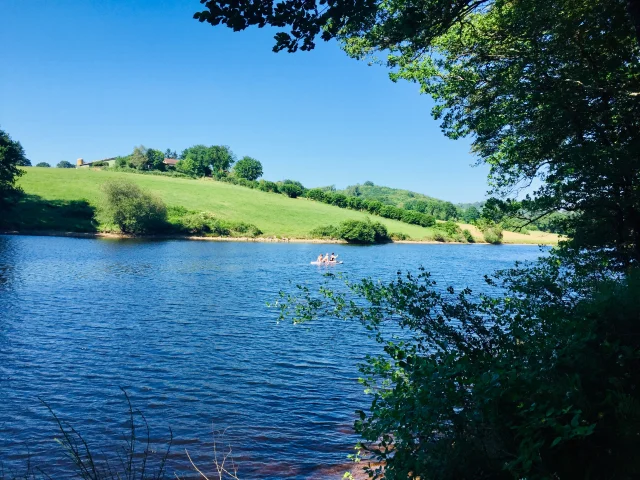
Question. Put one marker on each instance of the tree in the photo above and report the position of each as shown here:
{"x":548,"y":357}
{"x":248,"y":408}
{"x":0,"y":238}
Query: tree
{"x":131,"y":209}
{"x":155,"y":160}
{"x":138,"y":158}
{"x":471,"y":214}
{"x":201,"y":160}
{"x":168,"y":153}
{"x":11,"y":157}
{"x":43,"y":165}
{"x":65,"y":164}
{"x":248,"y":168}
{"x":547,"y":89}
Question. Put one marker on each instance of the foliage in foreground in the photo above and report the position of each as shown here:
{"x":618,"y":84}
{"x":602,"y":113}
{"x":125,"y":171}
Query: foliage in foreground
{"x":540,"y":382}
{"x":131,"y":209}
{"x":138,"y":458}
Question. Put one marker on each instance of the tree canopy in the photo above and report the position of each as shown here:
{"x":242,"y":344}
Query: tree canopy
{"x":65,"y":164}
{"x":11,"y":157}
{"x":248,"y":168}
{"x":546,"y":89}
{"x":201,"y":160}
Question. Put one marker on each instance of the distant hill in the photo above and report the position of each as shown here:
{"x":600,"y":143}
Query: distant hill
{"x":441,"y":209}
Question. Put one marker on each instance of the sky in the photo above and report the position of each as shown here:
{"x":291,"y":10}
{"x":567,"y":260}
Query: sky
{"x":92,"y":79}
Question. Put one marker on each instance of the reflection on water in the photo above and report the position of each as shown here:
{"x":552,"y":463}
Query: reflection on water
{"x":184,"y":327}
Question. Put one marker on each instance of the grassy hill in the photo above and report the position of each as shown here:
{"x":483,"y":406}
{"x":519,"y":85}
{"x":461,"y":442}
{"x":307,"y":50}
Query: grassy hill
{"x":64,"y":200}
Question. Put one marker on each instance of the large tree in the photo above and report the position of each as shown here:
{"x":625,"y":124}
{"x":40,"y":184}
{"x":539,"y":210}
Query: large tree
{"x":11,"y":157}
{"x":201,"y":160}
{"x":248,"y":168}
{"x":546,"y":89}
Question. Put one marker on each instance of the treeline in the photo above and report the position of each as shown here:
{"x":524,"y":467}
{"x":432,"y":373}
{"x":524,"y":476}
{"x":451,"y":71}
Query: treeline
{"x":216,"y":161}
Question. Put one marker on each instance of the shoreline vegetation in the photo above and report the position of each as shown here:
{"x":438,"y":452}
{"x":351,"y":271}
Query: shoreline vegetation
{"x":124,"y":236}
{"x":68,"y":202}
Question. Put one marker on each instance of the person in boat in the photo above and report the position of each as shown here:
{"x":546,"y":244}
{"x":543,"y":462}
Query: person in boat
{"x":326,"y":258}
{"x":319,"y":259}
{"x":333,"y":257}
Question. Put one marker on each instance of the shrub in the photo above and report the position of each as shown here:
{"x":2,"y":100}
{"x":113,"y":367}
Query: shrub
{"x":412,"y":217}
{"x":355,"y":203}
{"x":99,"y":164}
{"x":338,"y":199}
{"x":357,"y":231}
{"x":468,"y":236}
{"x":315,"y":194}
{"x":43,"y":165}
{"x":131,"y":209}
{"x":267,"y":186}
{"x":439,"y":237}
{"x":427,"y":220}
{"x":493,"y":235}
{"x":491,"y":231}
{"x":291,"y":190}
{"x":389,"y":211}
{"x":325,"y":231}
{"x":450,"y":228}
{"x":399,"y":236}
{"x":381,"y":233}
{"x":205,"y":223}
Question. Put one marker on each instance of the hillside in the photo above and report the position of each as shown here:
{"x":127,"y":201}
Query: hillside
{"x":63,"y":199}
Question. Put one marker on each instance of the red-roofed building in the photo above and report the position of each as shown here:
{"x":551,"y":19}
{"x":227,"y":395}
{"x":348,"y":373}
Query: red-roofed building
{"x":170,"y":162}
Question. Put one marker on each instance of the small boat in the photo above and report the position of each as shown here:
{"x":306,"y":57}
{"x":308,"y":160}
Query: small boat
{"x":326,"y":263}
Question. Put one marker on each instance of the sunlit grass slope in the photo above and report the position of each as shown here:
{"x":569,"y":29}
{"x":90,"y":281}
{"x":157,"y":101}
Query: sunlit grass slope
{"x":274,"y":214}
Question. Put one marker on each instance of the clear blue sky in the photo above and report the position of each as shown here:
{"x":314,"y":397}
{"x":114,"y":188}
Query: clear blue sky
{"x":92,"y":79}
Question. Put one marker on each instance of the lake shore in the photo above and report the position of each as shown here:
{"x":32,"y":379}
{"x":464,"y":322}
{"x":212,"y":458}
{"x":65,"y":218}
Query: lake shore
{"x":269,"y":239}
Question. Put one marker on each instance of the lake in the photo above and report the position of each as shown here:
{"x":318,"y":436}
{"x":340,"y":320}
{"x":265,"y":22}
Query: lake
{"x":184,"y":327}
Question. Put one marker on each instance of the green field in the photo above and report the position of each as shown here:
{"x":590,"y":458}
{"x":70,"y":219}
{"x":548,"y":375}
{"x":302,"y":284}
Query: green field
{"x":65,"y":199}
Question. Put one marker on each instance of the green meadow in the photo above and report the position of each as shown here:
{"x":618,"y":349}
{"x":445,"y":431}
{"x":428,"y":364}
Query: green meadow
{"x":60,"y":199}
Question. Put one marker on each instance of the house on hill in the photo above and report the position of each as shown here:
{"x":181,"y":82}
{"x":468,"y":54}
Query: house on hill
{"x":106,"y":162}
{"x":170,"y":162}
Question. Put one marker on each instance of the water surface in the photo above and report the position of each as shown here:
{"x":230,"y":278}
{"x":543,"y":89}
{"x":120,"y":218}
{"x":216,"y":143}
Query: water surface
{"x":184,"y":328}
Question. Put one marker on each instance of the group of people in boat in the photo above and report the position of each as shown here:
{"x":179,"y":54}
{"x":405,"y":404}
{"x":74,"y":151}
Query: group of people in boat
{"x":327,"y":258}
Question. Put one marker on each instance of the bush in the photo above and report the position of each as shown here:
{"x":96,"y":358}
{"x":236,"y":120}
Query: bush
{"x":43,"y":165}
{"x":468,"y":236}
{"x":325,"y":231}
{"x":412,"y":217}
{"x":491,"y":231}
{"x":427,"y":220}
{"x":315,"y":194}
{"x":267,"y":186}
{"x":399,"y":236}
{"x":205,"y":223}
{"x":493,"y":235}
{"x":439,"y":237}
{"x":381,"y":233}
{"x":337,"y":199}
{"x":65,"y":164}
{"x":450,"y":228}
{"x":131,"y":209}
{"x":357,"y":231}
{"x":291,"y":190}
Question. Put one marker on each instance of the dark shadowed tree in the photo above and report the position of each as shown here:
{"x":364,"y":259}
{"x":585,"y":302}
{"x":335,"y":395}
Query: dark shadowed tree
{"x":65,"y":164}
{"x":155,"y":159}
{"x":43,"y":165}
{"x":11,"y":157}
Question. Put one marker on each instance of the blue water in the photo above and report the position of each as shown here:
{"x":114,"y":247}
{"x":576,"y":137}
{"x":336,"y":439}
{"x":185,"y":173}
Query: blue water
{"x":184,"y":327}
